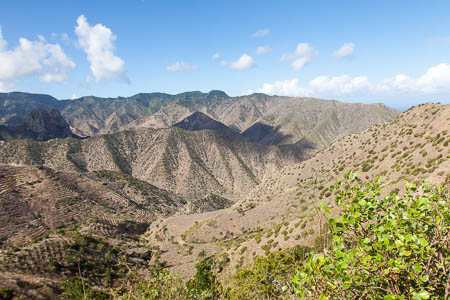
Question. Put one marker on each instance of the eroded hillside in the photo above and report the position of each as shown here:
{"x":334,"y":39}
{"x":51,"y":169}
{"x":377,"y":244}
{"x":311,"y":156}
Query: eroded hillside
{"x":191,"y":164}
{"x":319,"y":121}
{"x":54,"y":223}
{"x":282,"y":211}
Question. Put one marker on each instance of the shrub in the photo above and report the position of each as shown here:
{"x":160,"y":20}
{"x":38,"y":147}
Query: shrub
{"x":75,"y":289}
{"x":163,"y":285}
{"x":384,"y":246}
{"x":268,"y":277}
{"x":6,"y":293}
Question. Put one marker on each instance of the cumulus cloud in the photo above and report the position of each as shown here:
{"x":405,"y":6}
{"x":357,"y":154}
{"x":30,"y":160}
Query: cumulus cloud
{"x":290,"y":87}
{"x":261,"y":33}
{"x":180,"y":66}
{"x":321,"y":86}
{"x":30,"y":58}
{"x":263,"y":50}
{"x":244,"y":62}
{"x":98,"y":43}
{"x":338,"y":85}
{"x":303,"y":54}
{"x":436,"y":80}
{"x":215,"y":56}
{"x":6,"y":87}
{"x":346,"y":50}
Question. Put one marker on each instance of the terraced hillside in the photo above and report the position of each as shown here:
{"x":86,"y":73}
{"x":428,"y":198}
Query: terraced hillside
{"x":191,"y":164}
{"x":282,"y":211}
{"x":35,"y":200}
{"x":54,"y":223}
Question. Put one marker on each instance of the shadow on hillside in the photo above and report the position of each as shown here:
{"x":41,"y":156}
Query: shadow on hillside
{"x":265,"y":134}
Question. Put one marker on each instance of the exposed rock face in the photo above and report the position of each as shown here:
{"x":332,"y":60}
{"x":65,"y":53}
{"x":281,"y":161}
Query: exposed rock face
{"x":48,"y":124}
{"x":16,"y":105}
{"x":200,"y":121}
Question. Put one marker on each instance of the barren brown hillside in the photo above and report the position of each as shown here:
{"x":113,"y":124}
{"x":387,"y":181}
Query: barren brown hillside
{"x":191,"y":164}
{"x":317,"y":120}
{"x":54,"y":223}
{"x":281,"y":211}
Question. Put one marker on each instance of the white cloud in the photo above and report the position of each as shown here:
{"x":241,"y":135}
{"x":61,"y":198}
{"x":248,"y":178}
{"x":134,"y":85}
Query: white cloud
{"x":261,"y":33}
{"x":303,"y":54}
{"x":215,"y":56}
{"x":283,"y":88}
{"x":33,"y":57}
{"x":243,"y":63}
{"x":180,"y":66}
{"x":74,"y":96}
{"x":321,"y":86}
{"x":346,"y":50}
{"x":338,"y":85}
{"x":435,"y":81}
{"x":6,"y":87}
{"x":263,"y":49}
{"x":98,"y":43}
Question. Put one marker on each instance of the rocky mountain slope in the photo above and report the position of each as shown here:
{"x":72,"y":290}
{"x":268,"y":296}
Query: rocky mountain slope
{"x":200,"y":121}
{"x":15,"y":106}
{"x":56,"y":223}
{"x":318,"y":121}
{"x":139,"y":198}
{"x":282,"y":211}
{"x":191,"y":164}
{"x":40,"y":124}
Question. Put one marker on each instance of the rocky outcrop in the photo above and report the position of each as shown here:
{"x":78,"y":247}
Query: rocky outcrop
{"x":200,"y":121}
{"x":47,"y":124}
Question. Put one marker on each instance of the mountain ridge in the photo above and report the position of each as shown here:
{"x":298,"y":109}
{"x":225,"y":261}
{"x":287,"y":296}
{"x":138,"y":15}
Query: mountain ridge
{"x":295,"y":118}
{"x":189,"y":163}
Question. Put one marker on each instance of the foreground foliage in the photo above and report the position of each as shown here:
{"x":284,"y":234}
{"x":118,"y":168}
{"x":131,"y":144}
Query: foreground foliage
{"x":384,"y":246}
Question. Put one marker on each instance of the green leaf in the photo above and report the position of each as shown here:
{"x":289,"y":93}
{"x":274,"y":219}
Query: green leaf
{"x":422,"y":295}
{"x":423,"y":242}
{"x":406,"y":253}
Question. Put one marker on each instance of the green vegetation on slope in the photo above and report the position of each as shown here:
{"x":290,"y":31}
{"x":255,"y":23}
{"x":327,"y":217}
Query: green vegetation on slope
{"x":382,"y":246}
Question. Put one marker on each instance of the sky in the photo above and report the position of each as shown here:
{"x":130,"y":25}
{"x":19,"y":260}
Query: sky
{"x":395,"y":52}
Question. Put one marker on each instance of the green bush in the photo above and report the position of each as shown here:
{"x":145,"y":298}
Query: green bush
{"x":75,"y":289}
{"x":385,"y":246}
{"x":167,"y":285}
{"x":268,"y":277}
{"x":6,"y":293}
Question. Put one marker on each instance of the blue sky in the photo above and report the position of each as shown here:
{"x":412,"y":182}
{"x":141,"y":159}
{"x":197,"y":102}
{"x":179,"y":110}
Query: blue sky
{"x":396,"y":52}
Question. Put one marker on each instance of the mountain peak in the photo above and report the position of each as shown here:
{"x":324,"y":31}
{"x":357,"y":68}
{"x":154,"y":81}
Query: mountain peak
{"x":48,"y":123}
{"x":201,"y":121}
{"x":218,"y":94}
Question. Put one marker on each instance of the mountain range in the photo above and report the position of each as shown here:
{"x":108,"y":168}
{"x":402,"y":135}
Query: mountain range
{"x":293,"y":119}
{"x":164,"y":180}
